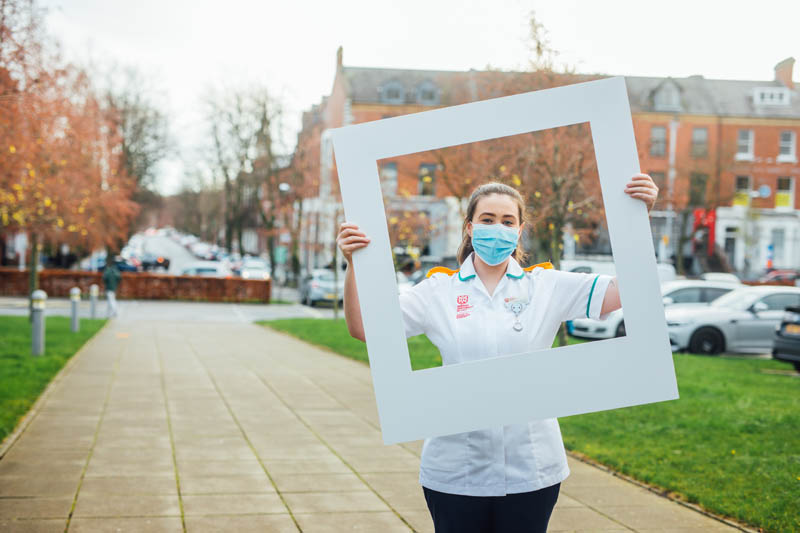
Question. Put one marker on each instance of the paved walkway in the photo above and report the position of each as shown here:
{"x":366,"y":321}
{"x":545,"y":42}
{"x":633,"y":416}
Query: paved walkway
{"x":176,"y":426}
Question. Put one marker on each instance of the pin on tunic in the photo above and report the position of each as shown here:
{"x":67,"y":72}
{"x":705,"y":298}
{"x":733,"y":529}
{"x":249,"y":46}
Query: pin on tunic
{"x":517,"y":307}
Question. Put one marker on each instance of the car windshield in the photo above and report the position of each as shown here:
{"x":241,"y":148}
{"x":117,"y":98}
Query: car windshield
{"x":738,"y":299}
{"x":324,"y":276}
{"x":254,"y":263}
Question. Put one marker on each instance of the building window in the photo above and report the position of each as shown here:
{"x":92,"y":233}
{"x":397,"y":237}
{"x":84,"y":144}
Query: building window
{"x":388,"y":173}
{"x":784,"y":195}
{"x":658,"y":141}
{"x":742,"y":194}
{"x":392,"y":93}
{"x":699,"y":142}
{"x":787,"y":147}
{"x":427,"y":179}
{"x":744,"y":146}
{"x":427,"y":93}
{"x":697,"y":189}
{"x":667,"y":98}
{"x":772,"y":96}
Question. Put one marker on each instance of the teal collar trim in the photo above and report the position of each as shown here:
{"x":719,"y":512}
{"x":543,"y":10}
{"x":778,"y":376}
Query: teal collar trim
{"x":510,"y":275}
{"x":465,"y":279}
{"x":591,"y":291}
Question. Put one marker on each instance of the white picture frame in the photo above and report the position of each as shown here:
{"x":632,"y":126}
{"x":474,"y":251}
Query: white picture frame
{"x":593,"y":376}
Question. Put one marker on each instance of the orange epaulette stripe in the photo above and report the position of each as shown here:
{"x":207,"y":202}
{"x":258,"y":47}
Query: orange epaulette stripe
{"x":546,"y":264}
{"x":440,"y":270}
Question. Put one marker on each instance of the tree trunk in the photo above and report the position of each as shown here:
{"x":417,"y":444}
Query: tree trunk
{"x":33,"y":272}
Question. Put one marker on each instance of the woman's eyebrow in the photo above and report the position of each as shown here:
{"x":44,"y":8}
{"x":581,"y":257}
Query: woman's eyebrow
{"x":486,"y":213}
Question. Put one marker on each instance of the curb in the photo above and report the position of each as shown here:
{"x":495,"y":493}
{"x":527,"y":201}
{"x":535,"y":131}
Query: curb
{"x":28,"y":417}
{"x":664,"y":493}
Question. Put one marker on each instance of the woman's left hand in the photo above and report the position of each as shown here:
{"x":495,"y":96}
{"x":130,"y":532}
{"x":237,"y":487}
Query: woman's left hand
{"x":642,"y":187}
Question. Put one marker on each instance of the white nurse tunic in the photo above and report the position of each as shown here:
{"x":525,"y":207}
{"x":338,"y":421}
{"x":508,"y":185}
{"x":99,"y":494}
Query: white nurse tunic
{"x":466,"y":324}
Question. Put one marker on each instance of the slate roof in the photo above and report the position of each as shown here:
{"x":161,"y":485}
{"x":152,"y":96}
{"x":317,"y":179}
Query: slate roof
{"x":699,"y":96}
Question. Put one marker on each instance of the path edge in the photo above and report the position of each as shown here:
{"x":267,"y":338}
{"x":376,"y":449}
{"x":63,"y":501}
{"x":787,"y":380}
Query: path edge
{"x":660,"y":491}
{"x":29,"y":416}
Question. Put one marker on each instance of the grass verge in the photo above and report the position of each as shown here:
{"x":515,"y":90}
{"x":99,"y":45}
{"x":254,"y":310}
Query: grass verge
{"x":730,"y":444}
{"x":24,"y":377}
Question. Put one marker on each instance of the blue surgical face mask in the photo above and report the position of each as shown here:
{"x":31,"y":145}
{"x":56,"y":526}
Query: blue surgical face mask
{"x":494,"y":242}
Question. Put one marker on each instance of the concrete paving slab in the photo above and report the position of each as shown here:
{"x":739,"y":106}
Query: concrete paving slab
{"x":127,"y":525}
{"x":232,"y":504}
{"x":34,"y":507}
{"x":257,"y":483}
{"x":32,"y":526}
{"x":118,"y":505}
{"x":294,"y":482}
{"x":272,"y":523}
{"x":333,"y":502}
{"x":385,"y":522}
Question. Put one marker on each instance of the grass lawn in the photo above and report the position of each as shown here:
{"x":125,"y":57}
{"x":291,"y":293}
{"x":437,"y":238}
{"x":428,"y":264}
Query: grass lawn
{"x":24,"y":377}
{"x":730,"y":444}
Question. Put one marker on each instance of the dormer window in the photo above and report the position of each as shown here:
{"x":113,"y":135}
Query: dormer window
{"x":667,"y":98}
{"x":427,"y":93}
{"x":771,"y":96}
{"x":392,"y":93}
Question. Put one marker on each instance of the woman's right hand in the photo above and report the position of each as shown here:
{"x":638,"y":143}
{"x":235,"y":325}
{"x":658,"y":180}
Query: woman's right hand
{"x":350,"y":239}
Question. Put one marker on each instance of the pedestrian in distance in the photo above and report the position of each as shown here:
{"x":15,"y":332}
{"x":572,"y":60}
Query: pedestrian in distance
{"x":111,"y":281}
{"x":503,"y":479}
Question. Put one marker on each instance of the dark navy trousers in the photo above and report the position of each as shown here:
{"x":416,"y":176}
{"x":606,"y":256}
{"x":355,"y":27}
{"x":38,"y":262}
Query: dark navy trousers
{"x":526,"y":512}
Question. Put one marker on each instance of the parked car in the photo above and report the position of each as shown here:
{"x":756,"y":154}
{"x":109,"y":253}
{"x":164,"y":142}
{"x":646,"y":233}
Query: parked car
{"x":207,"y":269}
{"x":254,"y":268}
{"x":720,"y":276}
{"x":786,"y":345}
{"x":673,"y":292}
{"x":783,"y":275}
{"x":666,"y":272}
{"x":319,"y":287}
{"x":153,"y":261}
{"x":744,"y":320}
{"x":123,"y":265}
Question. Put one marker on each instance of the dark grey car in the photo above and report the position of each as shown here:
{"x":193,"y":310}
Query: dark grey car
{"x":319,"y":287}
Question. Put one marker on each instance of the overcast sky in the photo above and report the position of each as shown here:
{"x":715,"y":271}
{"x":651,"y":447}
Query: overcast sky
{"x":186,"y":46}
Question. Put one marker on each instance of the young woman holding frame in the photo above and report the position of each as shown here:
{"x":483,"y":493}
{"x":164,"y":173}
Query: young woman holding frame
{"x":504,"y":479}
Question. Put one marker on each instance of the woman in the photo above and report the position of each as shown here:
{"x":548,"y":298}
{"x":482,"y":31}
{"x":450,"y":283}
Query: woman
{"x":503,"y":479}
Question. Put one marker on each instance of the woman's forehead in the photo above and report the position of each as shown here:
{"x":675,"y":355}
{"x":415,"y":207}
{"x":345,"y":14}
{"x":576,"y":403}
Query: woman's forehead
{"x":497,"y":204}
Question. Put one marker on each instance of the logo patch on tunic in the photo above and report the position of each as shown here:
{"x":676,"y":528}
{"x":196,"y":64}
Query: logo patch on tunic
{"x":462,"y":306}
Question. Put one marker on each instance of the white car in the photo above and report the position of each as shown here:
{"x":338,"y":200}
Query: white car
{"x":744,"y":320}
{"x":685,"y":292}
{"x":207,"y":269}
{"x":666,"y":272}
{"x":254,"y":268}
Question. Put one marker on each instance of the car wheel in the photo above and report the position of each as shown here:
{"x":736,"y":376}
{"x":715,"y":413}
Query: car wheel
{"x":312,"y":303}
{"x":708,"y":341}
{"x":797,"y":365}
{"x":621,"y":329}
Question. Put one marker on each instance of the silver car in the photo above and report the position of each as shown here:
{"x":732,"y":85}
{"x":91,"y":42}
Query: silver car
{"x":673,"y":292}
{"x":743,"y":320}
{"x":319,"y":287}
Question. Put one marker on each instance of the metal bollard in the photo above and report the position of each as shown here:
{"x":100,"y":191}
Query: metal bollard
{"x":75,"y":300}
{"x":39,"y":298}
{"x":94,"y":290}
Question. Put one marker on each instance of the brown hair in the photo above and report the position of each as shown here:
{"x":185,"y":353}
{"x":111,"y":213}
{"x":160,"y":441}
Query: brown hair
{"x":485,"y":190}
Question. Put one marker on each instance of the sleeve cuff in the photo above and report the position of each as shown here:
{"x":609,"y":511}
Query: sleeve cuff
{"x":596,"y":297}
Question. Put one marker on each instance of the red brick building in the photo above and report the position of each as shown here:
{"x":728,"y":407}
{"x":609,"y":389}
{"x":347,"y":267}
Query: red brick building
{"x":725,"y":145}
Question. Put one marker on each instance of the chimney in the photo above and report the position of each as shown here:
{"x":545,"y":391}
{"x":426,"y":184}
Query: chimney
{"x":340,"y":51}
{"x":783,"y":72}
